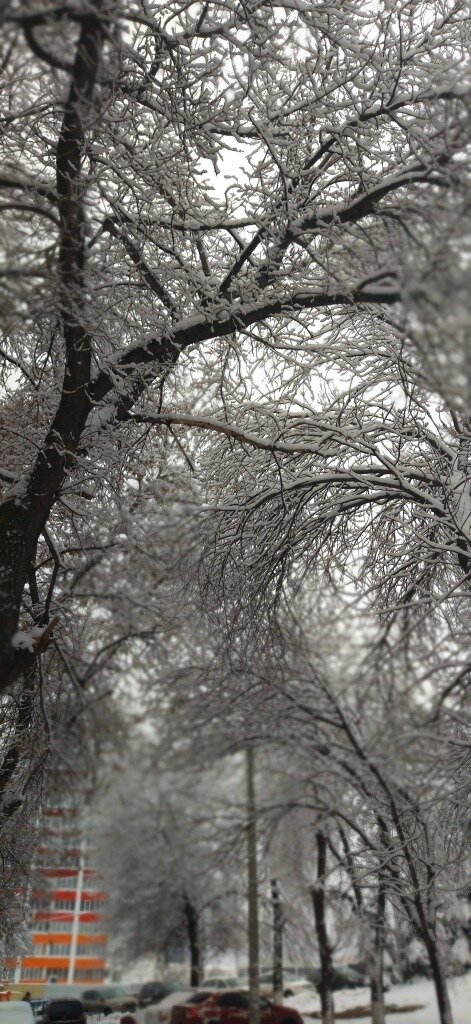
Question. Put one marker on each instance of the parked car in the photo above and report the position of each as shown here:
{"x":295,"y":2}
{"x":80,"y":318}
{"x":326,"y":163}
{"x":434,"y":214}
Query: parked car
{"x":154,"y":991}
{"x":266,"y":983}
{"x":294,"y":983}
{"x":166,"y":1004}
{"x":265,"y":979}
{"x":16,"y":1012}
{"x":131,"y":988}
{"x":64,"y":1011}
{"x":106,"y":999}
{"x":38,"y":1007}
{"x":229,"y":1007}
{"x":360,"y":967}
{"x":347,"y":977}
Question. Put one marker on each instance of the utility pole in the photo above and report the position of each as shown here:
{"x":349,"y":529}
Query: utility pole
{"x":252,"y":891}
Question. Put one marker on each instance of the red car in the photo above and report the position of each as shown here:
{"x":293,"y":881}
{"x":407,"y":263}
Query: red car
{"x":229,"y":1007}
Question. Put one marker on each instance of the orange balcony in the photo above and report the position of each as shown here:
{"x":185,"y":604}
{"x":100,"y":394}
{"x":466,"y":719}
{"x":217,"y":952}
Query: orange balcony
{"x":69,"y":894}
{"x":56,"y":962}
{"x":44,"y":938}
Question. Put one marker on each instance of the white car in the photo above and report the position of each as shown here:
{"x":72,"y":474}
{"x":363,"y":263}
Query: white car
{"x":163,"y":1009}
{"x":294,"y":984}
{"x":16,"y":1012}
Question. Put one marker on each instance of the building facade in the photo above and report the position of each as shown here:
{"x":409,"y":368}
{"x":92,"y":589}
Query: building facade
{"x":68,"y":919}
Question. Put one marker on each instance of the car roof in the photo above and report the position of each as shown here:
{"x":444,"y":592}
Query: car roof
{"x":62,"y":1010}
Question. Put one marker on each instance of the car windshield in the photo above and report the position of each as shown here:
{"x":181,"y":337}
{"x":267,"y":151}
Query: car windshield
{"x":61,"y":1010}
{"x":199,"y":997}
{"x":112,"y":993}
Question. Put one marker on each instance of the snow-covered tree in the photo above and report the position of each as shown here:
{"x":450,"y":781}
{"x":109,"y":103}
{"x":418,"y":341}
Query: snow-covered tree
{"x":170,"y":847}
{"x":198,"y":178}
{"x":228,"y":220}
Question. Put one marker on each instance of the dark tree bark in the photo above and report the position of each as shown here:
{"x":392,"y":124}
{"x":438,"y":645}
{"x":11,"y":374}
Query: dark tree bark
{"x":439,"y":978}
{"x":15,"y":751}
{"x":325,"y":949}
{"x":418,"y":908}
{"x":23,"y":517}
{"x":377,"y":958}
{"x":277,"y":940}
{"x":192,"y":926}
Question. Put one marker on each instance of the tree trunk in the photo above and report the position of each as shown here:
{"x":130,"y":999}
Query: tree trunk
{"x":23,"y":516}
{"x":426,"y":931}
{"x":377,"y":960}
{"x":12,"y":758}
{"x":192,"y":926}
{"x":325,"y":949}
{"x":252,"y":894}
{"x":277,"y":941}
{"x":439,"y":979}
{"x":424,"y":928}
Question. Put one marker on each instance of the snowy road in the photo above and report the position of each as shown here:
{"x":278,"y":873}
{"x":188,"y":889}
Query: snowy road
{"x":413,"y":993}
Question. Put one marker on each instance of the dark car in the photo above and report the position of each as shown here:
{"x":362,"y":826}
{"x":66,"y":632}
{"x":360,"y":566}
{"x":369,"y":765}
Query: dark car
{"x":64,"y":1011}
{"x":153,"y":991}
{"x":131,"y":988}
{"x":224,"y":1007}
{"x":38,"y":1007}
{"x":361,"y":968}
{"x":347,"y":977}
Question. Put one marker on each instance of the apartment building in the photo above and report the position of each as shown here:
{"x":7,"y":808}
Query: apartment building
{"x":68,"y":908}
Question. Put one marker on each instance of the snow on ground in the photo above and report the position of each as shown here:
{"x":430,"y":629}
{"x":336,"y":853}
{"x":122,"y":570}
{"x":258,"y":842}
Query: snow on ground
{"x":412,"y":993}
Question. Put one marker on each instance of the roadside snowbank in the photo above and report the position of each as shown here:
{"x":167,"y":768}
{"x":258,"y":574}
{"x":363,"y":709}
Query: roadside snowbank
{"x":412,"y":993}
